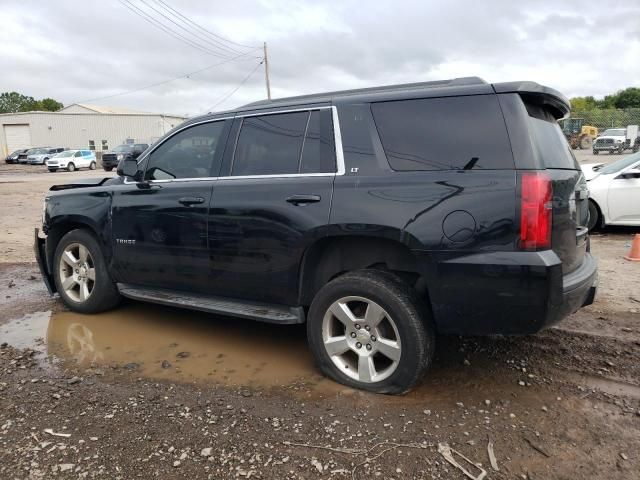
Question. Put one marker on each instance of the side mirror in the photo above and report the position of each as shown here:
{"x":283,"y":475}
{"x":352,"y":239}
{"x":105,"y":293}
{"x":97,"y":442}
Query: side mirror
{"x":128,"y":167}
{"x":633,"y":173}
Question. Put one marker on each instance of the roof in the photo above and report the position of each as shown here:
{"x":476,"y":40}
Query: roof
{"x":103,"y":109}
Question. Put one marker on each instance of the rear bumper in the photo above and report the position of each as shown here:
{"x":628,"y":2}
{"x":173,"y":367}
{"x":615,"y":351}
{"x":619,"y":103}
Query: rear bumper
{"x":39,"y":247}
{"x":510,"y":293}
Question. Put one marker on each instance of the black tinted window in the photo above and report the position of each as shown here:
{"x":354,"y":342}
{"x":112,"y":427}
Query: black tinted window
{"x":270,"y":144}
{"x":548,"y":138}
{"x":188,"y":154}
{"x":318,"y":154}
{"x":448,"y":133}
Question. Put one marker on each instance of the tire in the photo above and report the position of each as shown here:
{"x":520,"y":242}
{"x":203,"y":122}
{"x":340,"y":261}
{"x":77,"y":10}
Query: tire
{"x":52,"y":170}
{"x":585,"y":142}
{"x":594,"y":216}
{"x":71,"y":167}
{"x":405,"y":330}
{"x":107,"y":169}
{"x":101,"y":293}
{"x":596,"y":152}
{"x":92,"y":166}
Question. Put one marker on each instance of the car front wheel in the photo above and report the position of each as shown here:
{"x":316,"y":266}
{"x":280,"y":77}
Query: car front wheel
{"x":369,"y":330}
{"x":81,"y":276}
{"x":71,"y":167}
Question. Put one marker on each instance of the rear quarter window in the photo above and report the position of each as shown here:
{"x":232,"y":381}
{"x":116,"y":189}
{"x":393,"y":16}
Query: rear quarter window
{"x":448,"y":133}
{"x":548,"y":139}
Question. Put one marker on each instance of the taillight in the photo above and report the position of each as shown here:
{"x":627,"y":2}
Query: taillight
{"x":535,"y":211}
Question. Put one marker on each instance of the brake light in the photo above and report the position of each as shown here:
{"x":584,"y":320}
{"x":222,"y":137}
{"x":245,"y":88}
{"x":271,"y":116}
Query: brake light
{"x":535,"y":211}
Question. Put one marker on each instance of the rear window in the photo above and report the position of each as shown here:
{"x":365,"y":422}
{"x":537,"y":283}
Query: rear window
{"x":449,"y":133}
{"x":549,"y":140}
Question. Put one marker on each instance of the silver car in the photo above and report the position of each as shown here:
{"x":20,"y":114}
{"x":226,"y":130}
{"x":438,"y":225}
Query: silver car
{"x":38,"y":156}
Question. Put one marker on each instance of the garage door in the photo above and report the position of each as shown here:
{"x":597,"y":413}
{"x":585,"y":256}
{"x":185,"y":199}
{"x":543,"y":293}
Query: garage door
{"x":17,"y":136}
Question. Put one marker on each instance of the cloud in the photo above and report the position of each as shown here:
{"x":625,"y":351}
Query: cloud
{"x":74,"y":50}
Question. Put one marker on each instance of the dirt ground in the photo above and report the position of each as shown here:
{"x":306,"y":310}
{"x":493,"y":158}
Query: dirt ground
{"x":154,"y":392}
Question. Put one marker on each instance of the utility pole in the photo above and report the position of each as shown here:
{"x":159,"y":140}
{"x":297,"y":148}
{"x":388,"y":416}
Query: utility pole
{"x":266,"y":70}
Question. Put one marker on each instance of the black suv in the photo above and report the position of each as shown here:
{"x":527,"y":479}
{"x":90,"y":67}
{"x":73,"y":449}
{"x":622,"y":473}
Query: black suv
{"x":378,"y":217}
{"x":112,"y":159}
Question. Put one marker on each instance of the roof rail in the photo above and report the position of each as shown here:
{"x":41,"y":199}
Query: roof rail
{"x":454,"y":82}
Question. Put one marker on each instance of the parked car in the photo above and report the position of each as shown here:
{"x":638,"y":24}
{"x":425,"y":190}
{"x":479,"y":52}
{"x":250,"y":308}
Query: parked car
{"x":13,"y":157}
{"x":41,"y":155}
{"x":22,"y":158}
{"x":614,"y":192}
{"x":71,"y":160}
{"x":378,"y":217}
{"x":111,"y":159}
{"x":617,"y":140}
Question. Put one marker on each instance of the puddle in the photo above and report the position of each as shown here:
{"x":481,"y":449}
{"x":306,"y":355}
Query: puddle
{"x":611,"y":386}
{"x":192,"y":346}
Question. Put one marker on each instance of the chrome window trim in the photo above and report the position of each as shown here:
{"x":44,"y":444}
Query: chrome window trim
{"x":337,"y":140}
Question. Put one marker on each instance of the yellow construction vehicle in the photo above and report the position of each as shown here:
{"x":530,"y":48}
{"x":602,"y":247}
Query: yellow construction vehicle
{"x":578,"y":134}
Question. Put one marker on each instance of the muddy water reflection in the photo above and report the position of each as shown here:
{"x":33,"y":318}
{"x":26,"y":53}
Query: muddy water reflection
{"x":183,"y":345}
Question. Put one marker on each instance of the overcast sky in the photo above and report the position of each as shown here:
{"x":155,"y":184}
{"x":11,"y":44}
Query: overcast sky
{"x":74,"y":50}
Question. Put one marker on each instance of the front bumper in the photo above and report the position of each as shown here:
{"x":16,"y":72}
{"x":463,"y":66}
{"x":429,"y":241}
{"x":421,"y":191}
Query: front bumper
{"x":608,"y":147}
{"x":40,"y":249}
{"x":509,"y":293}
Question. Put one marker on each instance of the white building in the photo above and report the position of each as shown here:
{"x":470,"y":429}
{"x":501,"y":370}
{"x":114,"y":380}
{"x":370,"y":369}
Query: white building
{"x":95,"y":127}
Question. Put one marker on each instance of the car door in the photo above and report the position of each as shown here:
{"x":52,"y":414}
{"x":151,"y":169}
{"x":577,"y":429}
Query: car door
{"x":624,"y":198}
{"x":159,"y":224}
{"x":271,"y":201}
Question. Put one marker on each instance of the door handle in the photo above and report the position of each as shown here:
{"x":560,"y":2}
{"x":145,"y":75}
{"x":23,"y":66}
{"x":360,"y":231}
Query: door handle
{"x":188,"y":201}
{"x":303,"y":199}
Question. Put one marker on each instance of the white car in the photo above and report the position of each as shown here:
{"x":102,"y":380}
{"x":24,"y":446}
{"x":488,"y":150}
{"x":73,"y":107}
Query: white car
{"x":71,"y":160}
{"x":614,"y":192}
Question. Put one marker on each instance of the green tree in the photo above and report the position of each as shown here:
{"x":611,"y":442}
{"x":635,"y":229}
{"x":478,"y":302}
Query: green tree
{"x":11,"y":102}
{"x":583,"y":103}
{"x":50,"y":105}
{"x":627,"y":98}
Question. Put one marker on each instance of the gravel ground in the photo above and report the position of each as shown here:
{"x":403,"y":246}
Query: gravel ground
{"x":146,"y":391}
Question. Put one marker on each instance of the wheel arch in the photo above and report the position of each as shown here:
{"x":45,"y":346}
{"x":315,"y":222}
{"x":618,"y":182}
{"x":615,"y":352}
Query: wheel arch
{"x":61,"y":227}
{"x":333,"y":256}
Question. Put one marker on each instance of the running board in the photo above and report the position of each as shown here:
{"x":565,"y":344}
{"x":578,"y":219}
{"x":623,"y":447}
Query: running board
{"x":219,"y":305}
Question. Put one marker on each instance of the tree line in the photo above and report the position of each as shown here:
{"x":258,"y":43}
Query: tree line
{"x":12,"y":102}
{"x":627,"y":98}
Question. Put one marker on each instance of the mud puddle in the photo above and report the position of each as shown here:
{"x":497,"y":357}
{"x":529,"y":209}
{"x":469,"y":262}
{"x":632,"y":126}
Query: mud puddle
{"x":178,"y":345}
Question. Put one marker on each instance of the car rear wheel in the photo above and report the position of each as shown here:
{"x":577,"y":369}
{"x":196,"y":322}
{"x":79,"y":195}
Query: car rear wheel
{"x":53,"y":170}
{"x":81,"y":276}
{"x":92,"y":166}
{"x":369,"y":330}
{"x":71,"y":167}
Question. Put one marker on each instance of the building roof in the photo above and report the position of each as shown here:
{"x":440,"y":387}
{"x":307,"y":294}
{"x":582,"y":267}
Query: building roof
{"x":102,"y":109}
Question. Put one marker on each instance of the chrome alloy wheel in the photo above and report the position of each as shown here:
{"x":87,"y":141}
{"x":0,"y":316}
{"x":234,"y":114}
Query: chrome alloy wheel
{"x":361,"y":339}
{"x":77,"y":272}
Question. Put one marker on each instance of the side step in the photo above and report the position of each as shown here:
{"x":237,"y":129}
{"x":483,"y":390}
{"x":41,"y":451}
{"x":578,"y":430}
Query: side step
{"x":219,"y":305}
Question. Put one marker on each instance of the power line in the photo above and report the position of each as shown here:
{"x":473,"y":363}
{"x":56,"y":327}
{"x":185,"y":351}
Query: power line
{"x":186,"y":75}
{"x":200,"y":27}
{"x":226,"y":50}
{"x":148,"y":18}
{"x":228,"y":95}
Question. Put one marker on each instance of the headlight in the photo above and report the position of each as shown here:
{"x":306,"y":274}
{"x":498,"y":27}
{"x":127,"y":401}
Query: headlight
{"x":119,"y":156}
{"x":618,"y":141}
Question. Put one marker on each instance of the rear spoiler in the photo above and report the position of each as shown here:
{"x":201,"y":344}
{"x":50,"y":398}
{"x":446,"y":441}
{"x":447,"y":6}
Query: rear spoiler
{"x":552,"y":100}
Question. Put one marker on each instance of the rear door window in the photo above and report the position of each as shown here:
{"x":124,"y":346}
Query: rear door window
{"x":318,"y":153}
{"x":447,"y":133}
{"x":270,"y":144}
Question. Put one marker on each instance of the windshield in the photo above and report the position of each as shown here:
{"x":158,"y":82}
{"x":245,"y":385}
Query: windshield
{"x":123,"y":149}
{"x":37,"y":151}
{"x":615,"y":132}
{"x":67,"y":153}
{"x":621,"y":164}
